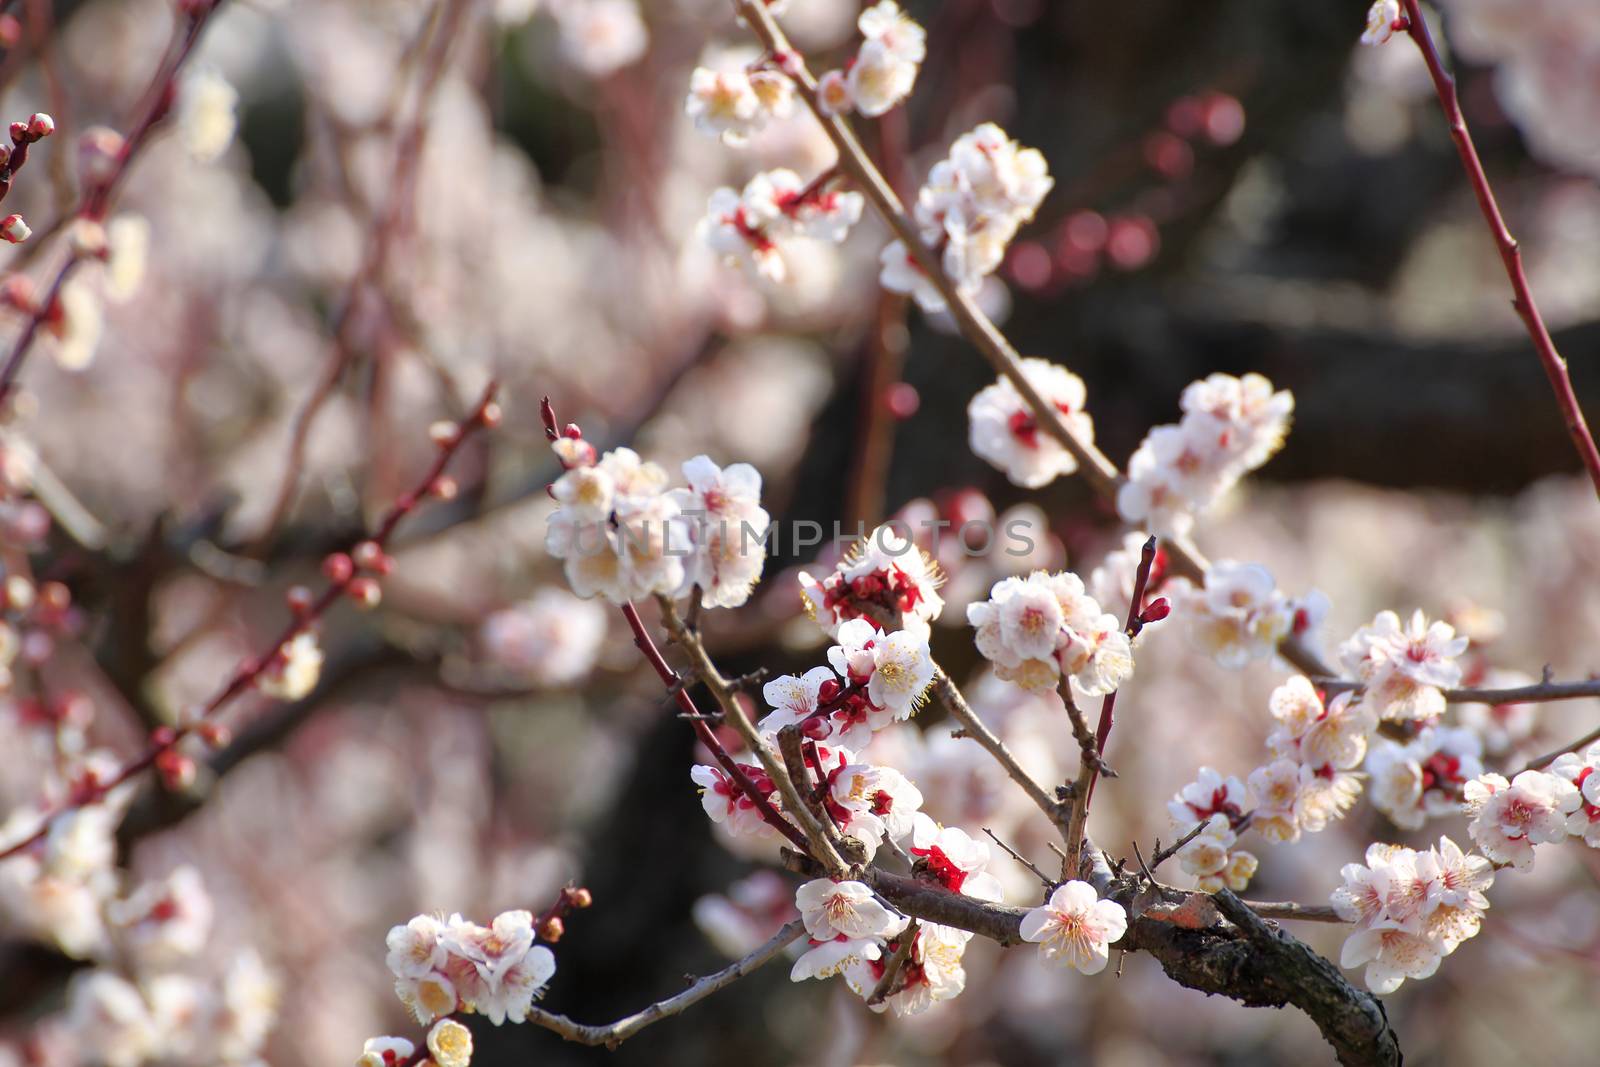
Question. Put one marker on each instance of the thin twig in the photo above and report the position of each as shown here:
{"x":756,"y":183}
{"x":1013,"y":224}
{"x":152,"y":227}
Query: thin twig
{"x":1135,"y":623}
{"x":1549,"y":757}
{"x":1555,"y":368}
{"x":1164,"y":854}
{"x":613,"y":1034}
{"x":1020,"y":858}
{"x":972,"y":726}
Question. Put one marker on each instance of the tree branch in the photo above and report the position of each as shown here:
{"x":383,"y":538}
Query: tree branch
{"x":613,"y":1034}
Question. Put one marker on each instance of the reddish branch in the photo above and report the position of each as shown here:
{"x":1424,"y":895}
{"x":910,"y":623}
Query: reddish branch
{"x":1555,"y":367}
{"x":1136,"y":620}
{"x":96,"y":200}
{"x":165,"y":741}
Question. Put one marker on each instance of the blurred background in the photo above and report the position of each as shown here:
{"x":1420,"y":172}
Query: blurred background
{"x":414,"y":196}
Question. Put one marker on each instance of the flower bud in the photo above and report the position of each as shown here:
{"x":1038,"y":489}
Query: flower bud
{"x":367,"y":555}
{"x":88,"y":238}
{"x":580,"y":897}
{"x":338,"y":568}
{"x":1156,"y":610}
{"x":19,"y":133}
{"x":491,"y":415}
{"x":13,"y":229}
{"x":444,"y":433}
{"x":214,"y":734}
{"x":445,"y":487}
{"x":365,"y":592}
{"x":299,"y":599}
{"x":177,"y":770}
{"x":552,"y":929}
{"x":41,"y":125}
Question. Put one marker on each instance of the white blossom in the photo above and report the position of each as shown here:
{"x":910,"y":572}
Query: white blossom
{"x":1579,"y":769}
{"x":1509,"y":818}
{"x":884,"y":578}
{"x":1004,"y":432}
{"x":1405,"y":668}
{"x":1039,"y":629}
{"x":1075,"y":928}
{"x":830,"y":909}
{"x":1382,"y":17}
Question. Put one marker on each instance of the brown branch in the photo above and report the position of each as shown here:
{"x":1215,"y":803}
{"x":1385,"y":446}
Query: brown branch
{"x":891,"y":970}
{"x":971,"y":726}
{"x":613,"y":1034}
{"x":1550,"y":757}
{"x":1541,"y":693}
{"x":1555,"y":368}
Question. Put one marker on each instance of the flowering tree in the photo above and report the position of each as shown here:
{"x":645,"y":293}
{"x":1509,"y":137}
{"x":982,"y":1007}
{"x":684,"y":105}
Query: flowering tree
{"x":920,"y":751}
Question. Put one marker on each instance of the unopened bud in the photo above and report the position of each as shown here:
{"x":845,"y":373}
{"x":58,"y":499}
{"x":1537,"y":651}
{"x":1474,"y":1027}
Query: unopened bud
{"x":445,"y":487}
{"x":552,"y":929}
{"x":367,"y":555}
{"x":299,"y":599}
{"x":365,"y":592}
{"x":214,"y":734}
{"x":572,"y":431}
{"x":41,"y":125}
{"x":19,"y":133}
{"x":14,"y":229}
{"x":491,"y":415}
{"x":444,"y":433}
{"x":1156,"y":610}
{"x":177,"y":770}
{"x":580,"y":897}
{"x":338,"y":568}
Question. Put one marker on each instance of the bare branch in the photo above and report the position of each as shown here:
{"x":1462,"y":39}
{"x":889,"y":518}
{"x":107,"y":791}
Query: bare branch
{"x":613,"y":1034}
{"x":956,"y":704}
{"x":1542,"y":693}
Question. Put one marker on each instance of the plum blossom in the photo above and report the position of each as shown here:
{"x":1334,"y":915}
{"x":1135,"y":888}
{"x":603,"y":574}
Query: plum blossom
{"x":1239,"y":615}
{"x":1230,"y":426}
{"x":1410,"y":909}
{"x":1509,"y":818}
{"x":1317,"y":734}
{"x":732,"y":98}
{"x":619,"y":532}
{"x":1039,"y":629}
{"x":450,"y":1043}
{"x":881,"y":792}
{"x":885,"y":67}
{"x":933,"y":971}
{"x":385,"y":1052}
{"x":972,"y":205}
{"x":750,"y":228}
{"x":601,"y":37}
{"x":293,"y":672}
{"x":207,"y":119}
{"x":896,"y":668}
{"x":728,"y":805}
{"x":826,"y":958}
{"x":445,"y":966}
{"x":1004,"y":432}
{"x":1214,"y":861}
{"x":727,"y":527}
{"x":164,"y":921}
{"x":1405,"y":668}
{"x":1580,"y":770}
{"x":1075,"y":928}
{"x":954,"y":859}
{"x":1423,"y":778}
{"x":1209,"y":794}
{"x":1383,"y":17}
{"x":884,"y":578}
{"x":830,"y":909}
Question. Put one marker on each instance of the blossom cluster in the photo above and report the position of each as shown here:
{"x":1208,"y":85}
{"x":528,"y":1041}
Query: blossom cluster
{"x":1423,"y":778}
{"x":884,"y":69}
{"x":1405,"y":668}
{"x":1510,"y":817}
{"x":733,"y":98}
{"x":1411,"y":909}
{"x":445,"y":966}
{"x":1221,"y":805}
{"x":1043,"y":628}
{"x":623,"y":534}
{"x":970,"y":208}
{"x":1239,"y":615}
{"x":853,"y":935}
{"x":1318,"y":745}
{"x":1230,"y":427}
{"x":750,"y":228}
{"x":1003,"y":430}
{"x":872,"y":679}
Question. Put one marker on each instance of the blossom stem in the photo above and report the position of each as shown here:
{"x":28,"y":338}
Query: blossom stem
{"x":978,"y":329}
{"x":1541,"y":693}
{"x":248,"y":672}
{"x":971,"y":726}
{"x":1555,"y":367}
{"x":1135,"y":623}
{"x":652,"y":654}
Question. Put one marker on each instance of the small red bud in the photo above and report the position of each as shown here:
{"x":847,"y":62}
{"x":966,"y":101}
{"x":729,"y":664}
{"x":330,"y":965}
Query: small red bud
{"x":580,"y":897}
{"x":552,"y":929}
{"x":816,"y":728}
{"x":491,"y":415}
{"x":572,"y":431}
{"x":365,"y":592}
{"x":41,"y":125}
{"x":901,"y":400}
{"x":547,"y":414}
{"x":338,"y":568}
{"x":177,"y":770}
{"x":1156,"y":610}
{"x":14,"y":229}
{"x":19,"y":133}
{"x":445,"y":487}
